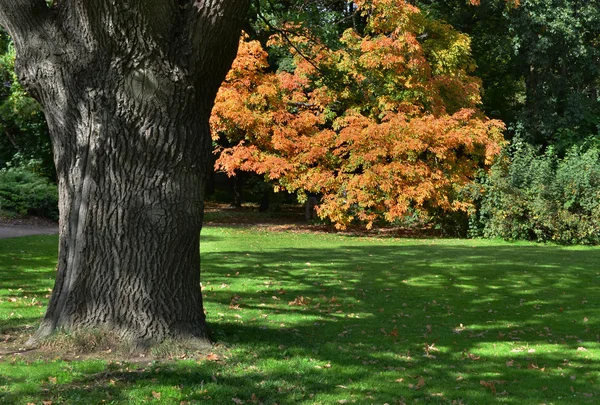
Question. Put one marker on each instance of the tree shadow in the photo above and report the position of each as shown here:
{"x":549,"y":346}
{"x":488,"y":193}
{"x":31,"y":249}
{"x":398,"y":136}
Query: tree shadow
{"x":437,"y":322}
{"x":27,"y":263}
{"x":538,"y":304}
{"x":27,"y":271}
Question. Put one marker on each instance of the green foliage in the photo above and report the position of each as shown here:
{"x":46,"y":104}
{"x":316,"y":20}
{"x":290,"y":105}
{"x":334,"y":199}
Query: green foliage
{"x":25,"y":192}
{"x":538,"y":63}
{"x":23,"y":128}
{"x":557,"y":43}
{"x":535,"y":196}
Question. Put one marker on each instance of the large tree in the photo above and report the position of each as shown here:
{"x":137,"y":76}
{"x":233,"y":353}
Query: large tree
{"x":127,"y":88}
{"x":383,"y":127}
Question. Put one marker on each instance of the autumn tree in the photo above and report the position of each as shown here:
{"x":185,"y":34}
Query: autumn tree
{"x":384,"y":124}
{"x":127,"y":88}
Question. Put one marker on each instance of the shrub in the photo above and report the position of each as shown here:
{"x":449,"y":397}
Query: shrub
{"x":537,"y":196}
{"x":24,"y":192}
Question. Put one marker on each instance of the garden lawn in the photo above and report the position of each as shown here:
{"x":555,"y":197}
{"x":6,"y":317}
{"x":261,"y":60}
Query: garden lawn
{"x":305,"y":318}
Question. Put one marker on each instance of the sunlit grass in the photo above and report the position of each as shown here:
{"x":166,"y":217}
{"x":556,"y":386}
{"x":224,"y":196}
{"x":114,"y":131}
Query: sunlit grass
{"x":327,"y":319}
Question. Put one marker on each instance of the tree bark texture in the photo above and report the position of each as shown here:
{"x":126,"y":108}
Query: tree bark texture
{"x":127,"y":87}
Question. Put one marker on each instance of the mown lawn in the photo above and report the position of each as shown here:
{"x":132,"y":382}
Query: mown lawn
{"x":306,"y":318}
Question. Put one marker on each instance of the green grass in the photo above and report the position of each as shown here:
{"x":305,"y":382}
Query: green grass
{"x":328,"y":319}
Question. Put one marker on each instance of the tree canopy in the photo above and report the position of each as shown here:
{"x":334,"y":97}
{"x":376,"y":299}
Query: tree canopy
{"x":384,"y":124}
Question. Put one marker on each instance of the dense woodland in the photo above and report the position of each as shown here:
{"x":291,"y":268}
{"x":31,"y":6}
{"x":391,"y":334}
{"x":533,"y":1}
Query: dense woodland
{"x":476,"y":118}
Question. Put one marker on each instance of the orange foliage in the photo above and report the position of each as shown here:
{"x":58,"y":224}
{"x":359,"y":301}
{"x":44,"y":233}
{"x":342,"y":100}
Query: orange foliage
{"x":384,"y":125}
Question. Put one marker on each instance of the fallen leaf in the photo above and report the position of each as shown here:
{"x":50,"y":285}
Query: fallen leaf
{"x":212,"y":357}
{"x":489,"y":384}
{"x":299,"y":301}
{"x":510,"y":363}
{"x":156,"y":394}
{"x":473,"y":357}
{"x":237,"y":400}
{"x":52,"y":380}
{"x":421,"y":383}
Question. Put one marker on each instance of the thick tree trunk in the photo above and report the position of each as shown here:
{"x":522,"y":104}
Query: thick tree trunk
{"x":127,"y":94}
{"x":131,"y":192}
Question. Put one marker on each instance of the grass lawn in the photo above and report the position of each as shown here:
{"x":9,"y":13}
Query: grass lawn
{"x":329,"y":319}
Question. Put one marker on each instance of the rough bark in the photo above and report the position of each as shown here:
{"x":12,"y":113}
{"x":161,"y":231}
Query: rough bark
{"x":127,"y":89}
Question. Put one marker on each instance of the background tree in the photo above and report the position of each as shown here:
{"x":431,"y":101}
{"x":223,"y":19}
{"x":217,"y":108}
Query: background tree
{"x":127,"y":90}
{"x":23,"y":130}
{"x":386,"y":124}
{"x":539,"y":63}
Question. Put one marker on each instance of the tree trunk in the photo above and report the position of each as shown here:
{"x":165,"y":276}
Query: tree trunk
{"x":131,"y":191}
{"x":127,"y":95}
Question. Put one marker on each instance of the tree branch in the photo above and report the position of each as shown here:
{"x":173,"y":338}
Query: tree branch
{"x":25,"y":20}
{"x":285,"y":35}
{"x":213,"y":45}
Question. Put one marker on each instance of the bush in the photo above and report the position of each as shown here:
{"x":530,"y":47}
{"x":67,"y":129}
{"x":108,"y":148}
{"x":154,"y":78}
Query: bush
{"x":537,"y":196}
{"x":23,"y":192}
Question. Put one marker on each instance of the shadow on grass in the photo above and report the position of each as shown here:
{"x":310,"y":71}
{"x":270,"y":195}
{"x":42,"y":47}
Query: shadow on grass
{"x":27,"y":264}
{"x":522,"y":318}
{"x":27,"y":271}
{"x":379,"y":322}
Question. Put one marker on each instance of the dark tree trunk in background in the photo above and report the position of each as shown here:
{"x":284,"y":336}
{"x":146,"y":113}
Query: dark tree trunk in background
{"x":237,"y":188}
{"x":127,"y":88}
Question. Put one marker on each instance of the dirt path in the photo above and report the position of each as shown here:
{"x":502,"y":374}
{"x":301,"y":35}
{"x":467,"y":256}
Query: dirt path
{"x":13,"y":228}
